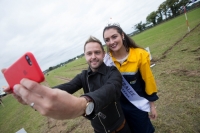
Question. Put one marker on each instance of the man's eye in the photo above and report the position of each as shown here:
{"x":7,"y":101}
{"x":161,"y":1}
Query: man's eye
{"x":97,"y":52}
{"x":89,"y":53}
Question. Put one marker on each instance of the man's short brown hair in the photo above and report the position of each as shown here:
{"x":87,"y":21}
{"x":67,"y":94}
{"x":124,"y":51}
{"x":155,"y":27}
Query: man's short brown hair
{"x":93,"y":39}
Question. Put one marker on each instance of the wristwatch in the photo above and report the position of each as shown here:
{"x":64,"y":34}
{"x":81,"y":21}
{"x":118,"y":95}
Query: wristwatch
{"x":89,"y":106}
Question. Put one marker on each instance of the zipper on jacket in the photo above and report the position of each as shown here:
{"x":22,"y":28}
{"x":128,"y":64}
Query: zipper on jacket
{"x":89,"y":91}
{"x":95,"y":116}
{"x":117,"y":109}
{"x":88,"y":82}
{"x":102,"y":124}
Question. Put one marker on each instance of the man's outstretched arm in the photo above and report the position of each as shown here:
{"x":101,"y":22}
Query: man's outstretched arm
{"x":53,"y":103}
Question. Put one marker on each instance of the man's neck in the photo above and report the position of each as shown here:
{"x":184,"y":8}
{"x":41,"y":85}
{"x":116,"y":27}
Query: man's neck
{"x":94,"y":70}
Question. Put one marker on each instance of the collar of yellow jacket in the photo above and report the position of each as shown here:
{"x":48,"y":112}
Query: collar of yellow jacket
{"x":131,"y":57}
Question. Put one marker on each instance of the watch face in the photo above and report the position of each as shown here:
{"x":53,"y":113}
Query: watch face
{"x":89,"y":108}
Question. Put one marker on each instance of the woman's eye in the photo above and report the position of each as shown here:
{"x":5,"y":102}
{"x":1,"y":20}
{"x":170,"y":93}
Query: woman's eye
{"x":114,"y":37}
{"x":106,"y":40}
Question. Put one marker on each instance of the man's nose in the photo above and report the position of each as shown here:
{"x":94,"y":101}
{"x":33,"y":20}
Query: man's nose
{"x":93,"y":55}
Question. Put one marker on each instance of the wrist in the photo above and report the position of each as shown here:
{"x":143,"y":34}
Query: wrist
{"x":153,"y":107}
{"x":89,"y":106}
{"x":83,"y":105}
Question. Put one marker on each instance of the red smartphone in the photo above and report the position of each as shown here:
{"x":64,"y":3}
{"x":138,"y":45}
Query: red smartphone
{"x":25,"y":67}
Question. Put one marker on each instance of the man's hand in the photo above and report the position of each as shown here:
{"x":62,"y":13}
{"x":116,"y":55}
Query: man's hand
{"x":7,"y":89}
{"x":49,"y":102}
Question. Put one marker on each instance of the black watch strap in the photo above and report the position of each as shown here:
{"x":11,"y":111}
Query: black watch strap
{"x":88,"y":98}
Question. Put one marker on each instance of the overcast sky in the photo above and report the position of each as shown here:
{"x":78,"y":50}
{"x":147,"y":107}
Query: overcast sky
{"x":55,"y":31}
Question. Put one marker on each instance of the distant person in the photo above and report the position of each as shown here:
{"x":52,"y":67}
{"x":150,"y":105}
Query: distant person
{"x":139,"y":87}
{"x":100,"y":102}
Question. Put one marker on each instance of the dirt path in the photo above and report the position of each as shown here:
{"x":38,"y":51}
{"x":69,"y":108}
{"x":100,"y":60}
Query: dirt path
{"x":63,"y":78}
{"x":64,"y":126}
{"x":84,"y":68}
{"x":176,"y":43}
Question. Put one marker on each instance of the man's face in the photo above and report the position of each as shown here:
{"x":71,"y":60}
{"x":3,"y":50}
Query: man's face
{"x":94,"y":55}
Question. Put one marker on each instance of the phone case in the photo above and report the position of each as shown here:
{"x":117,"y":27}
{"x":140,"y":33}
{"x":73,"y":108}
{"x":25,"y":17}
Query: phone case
{"x":24,"y":67}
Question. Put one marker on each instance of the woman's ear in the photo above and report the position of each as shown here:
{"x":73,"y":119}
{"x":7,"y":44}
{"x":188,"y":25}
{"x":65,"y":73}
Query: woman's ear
{"x":123,"y":36}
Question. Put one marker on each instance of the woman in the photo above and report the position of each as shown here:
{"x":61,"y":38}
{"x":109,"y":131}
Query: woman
{"x":134,"y":64}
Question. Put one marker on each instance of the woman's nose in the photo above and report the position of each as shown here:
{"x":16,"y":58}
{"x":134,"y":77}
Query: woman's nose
{"x":111,"y":41}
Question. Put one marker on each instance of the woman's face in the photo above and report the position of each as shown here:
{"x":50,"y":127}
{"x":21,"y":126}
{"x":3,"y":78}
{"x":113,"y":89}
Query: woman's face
{"x":113,"y":39}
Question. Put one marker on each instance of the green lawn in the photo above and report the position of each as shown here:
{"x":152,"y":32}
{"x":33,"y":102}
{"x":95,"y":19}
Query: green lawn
{"x":177,"y":77}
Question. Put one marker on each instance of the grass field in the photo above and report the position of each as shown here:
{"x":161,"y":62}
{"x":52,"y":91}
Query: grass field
{"x":177,"y":74}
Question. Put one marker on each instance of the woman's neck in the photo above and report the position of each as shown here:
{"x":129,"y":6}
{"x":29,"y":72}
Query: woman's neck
{"x":120,"y":54}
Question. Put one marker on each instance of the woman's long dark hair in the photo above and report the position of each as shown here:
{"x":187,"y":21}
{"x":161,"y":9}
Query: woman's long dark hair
{"x":127,"y":41}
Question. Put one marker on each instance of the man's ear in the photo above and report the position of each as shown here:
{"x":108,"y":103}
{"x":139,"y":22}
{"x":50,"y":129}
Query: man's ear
{"x":104,"y":53}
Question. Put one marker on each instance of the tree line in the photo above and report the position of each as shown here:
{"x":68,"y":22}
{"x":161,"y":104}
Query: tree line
{"x":62,"y":64}
{"x":166,"y":10}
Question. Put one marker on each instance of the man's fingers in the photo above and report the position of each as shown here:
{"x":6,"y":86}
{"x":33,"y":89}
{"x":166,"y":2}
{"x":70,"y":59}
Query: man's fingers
{"x":21,"y":92}
{"x":3,"y":70}
{"x":19,"y":99}
{"x":35,"y":87}
{"x":36,"y":95}
{"x":7,"y":89}
{"x":24,"y":95}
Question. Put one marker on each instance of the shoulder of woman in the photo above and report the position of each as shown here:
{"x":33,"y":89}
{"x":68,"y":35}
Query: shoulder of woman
{"x":139,"y":51}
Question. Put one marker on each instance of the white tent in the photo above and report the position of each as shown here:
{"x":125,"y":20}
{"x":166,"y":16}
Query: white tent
{"x":2,"y":92}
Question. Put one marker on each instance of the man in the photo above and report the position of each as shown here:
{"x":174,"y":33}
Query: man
{"x":99,"y":104}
